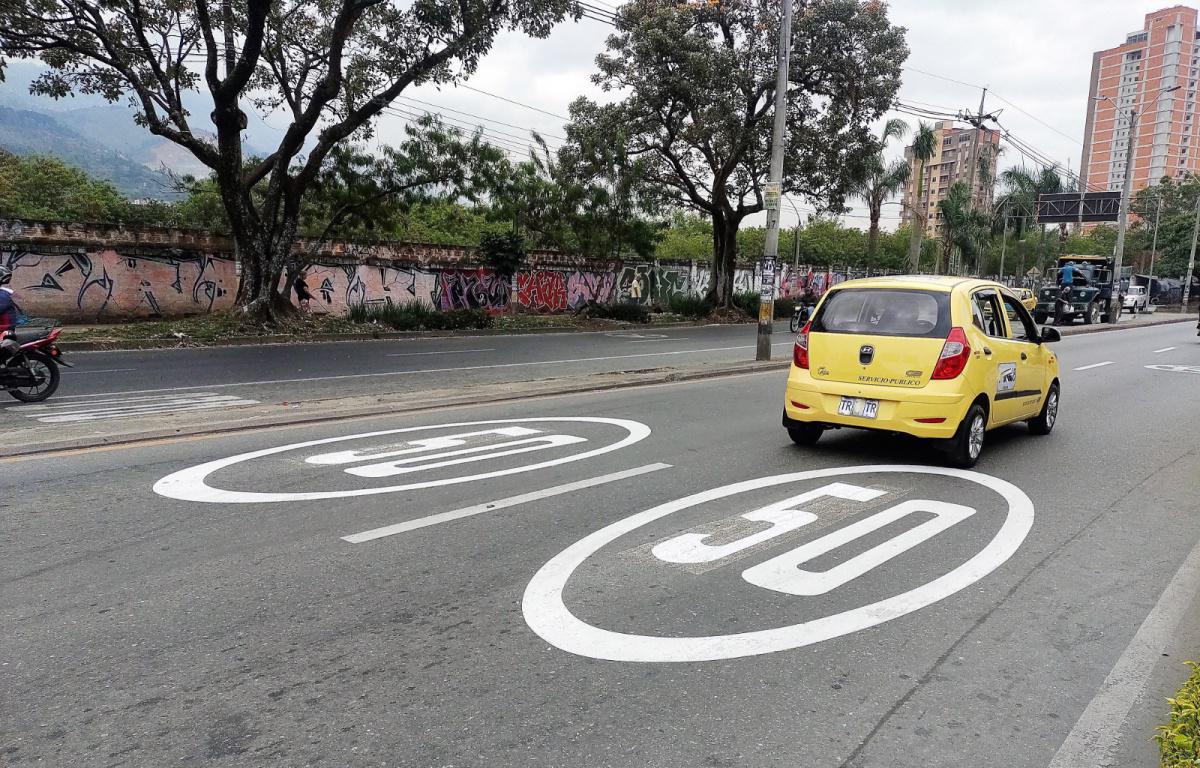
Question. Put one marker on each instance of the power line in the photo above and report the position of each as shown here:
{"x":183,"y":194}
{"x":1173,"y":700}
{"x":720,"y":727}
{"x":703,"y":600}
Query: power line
{"x":940,"y":77}
{"x":508,"y":145}
{"x":511,"y":101}
{"x":1035,"y":117}
{"x":478,"y":117}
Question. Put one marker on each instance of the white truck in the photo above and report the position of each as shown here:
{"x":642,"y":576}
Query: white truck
{"x":1137,"y":299}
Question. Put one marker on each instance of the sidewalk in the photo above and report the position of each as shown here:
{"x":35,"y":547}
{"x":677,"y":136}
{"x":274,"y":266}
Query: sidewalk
{"x":1126,"y":321}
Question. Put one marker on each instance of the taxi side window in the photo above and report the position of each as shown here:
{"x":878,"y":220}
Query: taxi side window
{"x":1021,"y":327}
{"x":986,"y":313}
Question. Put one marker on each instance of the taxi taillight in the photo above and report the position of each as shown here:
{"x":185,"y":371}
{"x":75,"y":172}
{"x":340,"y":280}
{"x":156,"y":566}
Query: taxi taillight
{"x":955,"y":353}
{"x":800,"y":351}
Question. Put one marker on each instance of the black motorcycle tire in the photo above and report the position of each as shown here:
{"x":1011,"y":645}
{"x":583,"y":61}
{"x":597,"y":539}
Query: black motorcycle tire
{"x":795,"y":324}
{"x":51,"y":387}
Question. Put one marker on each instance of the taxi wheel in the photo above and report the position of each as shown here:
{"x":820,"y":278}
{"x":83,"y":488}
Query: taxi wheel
{"x":805,"y":434}
{"x":967,"y":444}
{"x":1046,"y":419}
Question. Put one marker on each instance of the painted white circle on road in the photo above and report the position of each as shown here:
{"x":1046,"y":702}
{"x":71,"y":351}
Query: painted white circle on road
{"x":547,"y":614}
{"x":192,"y":484}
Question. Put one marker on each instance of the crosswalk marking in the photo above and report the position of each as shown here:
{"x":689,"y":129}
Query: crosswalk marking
{"x":117,"y":408}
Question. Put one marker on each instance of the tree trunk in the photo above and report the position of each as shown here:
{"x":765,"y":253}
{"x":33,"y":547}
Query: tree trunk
{"x":873,"y":237}
{"x":914,"y":243}
{"x":720,"y":287}
{"x":263,"y":258}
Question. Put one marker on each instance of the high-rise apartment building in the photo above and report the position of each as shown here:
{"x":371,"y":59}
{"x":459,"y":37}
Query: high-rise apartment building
{"x":951,"y":162}
{"x":1138,"y":75}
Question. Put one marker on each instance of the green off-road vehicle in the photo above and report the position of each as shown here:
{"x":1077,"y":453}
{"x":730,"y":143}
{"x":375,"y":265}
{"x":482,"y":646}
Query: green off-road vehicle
{"x":1089,"y":296}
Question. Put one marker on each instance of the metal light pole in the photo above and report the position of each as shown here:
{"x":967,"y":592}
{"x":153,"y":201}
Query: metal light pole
{"x":1153,"y":250}
{"x":766,"y":307}
{"x":1187,"y":281}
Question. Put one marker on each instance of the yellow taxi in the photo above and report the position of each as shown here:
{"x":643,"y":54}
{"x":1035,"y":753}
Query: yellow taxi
{"x":932,"y":357}
{"x":1026,"y":297}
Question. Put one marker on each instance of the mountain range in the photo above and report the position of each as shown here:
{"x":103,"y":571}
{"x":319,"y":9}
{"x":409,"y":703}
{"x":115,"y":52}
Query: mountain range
{"x":98,"y":137}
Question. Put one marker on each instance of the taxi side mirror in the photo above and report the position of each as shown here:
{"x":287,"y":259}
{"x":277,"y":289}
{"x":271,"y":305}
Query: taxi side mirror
{"x":1050,"y":335}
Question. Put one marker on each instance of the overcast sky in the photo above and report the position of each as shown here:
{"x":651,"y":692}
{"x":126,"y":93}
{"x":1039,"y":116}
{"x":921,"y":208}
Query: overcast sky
{"x":1035,"y":53}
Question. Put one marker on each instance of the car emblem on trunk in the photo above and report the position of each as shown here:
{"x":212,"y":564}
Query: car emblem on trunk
{"x":866,"y":353}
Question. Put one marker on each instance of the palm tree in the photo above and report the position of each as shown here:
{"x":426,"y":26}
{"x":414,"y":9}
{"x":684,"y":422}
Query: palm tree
{"x":882,"y":182}
{"x":963,"y":226}
{"x":923,"y":147}
{"x":1022,"y":188}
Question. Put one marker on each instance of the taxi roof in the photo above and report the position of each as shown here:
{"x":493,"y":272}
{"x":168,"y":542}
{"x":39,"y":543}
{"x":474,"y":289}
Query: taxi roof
{"x":918,"y":282}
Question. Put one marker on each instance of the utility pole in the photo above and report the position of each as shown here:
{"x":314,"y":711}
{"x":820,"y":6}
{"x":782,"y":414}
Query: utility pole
{"x":976,"y":122}
{"x":1123,"y":219}
{"x":1153,"y":250}
{"x":774,"y":192}
{"x":1187,"y":281}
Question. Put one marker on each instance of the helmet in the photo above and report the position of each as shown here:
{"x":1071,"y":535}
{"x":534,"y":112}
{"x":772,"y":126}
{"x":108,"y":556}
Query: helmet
{"x":5,"y":275}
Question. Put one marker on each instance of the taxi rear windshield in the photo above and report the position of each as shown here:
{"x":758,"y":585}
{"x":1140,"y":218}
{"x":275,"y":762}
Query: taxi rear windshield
{"x":885,"y":312}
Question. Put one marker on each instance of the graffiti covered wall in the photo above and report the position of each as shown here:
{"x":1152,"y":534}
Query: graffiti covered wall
{"x":76,"y":273}
{"x":105,"y":283}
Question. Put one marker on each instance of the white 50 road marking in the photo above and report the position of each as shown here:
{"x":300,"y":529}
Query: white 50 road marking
{"x":191,"y":484}
{"x":549,"y":617}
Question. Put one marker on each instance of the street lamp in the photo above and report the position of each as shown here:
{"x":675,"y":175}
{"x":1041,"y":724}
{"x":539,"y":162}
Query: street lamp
{"x":1114,"y":309}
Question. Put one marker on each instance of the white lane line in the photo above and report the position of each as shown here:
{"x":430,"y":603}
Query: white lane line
{"x":103,"y":370}
{"x":1164,"y":349}
{"x":442,"y":352}
{"x":55,"y":406}
{"x":433,"y":370}
{"x":1098,"y":731}
{"x":652,"y":341}
{"x":1093,"y":365}
{"x":144,"y":412}
{"x":511,"y":501}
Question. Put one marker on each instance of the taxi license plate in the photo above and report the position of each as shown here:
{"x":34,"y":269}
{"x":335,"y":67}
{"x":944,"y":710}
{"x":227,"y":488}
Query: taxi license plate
{"x":858,"y":406}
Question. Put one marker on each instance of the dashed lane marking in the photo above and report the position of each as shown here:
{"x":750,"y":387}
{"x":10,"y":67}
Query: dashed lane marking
{"x":1093,"y":365}
{"x":1164,"y":349}
{"x":511,"y":501}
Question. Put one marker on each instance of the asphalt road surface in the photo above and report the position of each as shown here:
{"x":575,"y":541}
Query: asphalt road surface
{"x":648,"y":577}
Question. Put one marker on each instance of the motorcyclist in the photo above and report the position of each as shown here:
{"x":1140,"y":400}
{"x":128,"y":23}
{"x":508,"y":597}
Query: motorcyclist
{"x":9,"y":311}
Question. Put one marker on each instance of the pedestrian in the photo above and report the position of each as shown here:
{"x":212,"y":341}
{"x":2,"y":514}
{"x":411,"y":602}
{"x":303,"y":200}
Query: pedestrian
{"x":635,"y":290}
{"x":303,"y":297}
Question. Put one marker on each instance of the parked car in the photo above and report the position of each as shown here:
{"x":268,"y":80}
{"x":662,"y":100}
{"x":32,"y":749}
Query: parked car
{"x":932,"y":357}
{"x":1026,"y":297}
{"x":1136,"y":299}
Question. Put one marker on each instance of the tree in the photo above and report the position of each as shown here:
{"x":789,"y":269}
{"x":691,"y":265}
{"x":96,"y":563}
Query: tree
{"x":39,"y":187}
{"x":923,"y":147}
{"x":881,"y":183}
{"x":329,"y":66}
{"x":963,"y":226}
{"x":697,"y":87}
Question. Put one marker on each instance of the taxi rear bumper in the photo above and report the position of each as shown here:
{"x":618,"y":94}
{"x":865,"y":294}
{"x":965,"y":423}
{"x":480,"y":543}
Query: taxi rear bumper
{"x":927,"y":412}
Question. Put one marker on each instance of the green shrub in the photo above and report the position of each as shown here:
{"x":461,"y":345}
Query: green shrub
{"x":689,"y":306}
{"x":628,"y":313}
{"x":784,"y":308}
{"x":415,"y":316}
{"x":1179,"y":740}
{"x":748,"y":302}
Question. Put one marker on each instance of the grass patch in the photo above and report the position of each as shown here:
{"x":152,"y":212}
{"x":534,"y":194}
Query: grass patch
{"x":203,"y":329}
{"x":1179,"y":740}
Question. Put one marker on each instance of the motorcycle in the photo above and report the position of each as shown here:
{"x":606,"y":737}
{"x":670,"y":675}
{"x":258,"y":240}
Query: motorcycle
{"x":800,"y":315}
{"x":29,"y":362}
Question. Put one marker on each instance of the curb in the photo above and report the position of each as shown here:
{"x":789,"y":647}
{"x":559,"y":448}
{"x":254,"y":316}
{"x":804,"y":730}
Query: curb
{"x":1072,"y":330}
{"x":495,"y":393}
{"x":123,"y":345}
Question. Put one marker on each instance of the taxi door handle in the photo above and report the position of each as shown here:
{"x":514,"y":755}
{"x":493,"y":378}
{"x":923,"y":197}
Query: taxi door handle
{"x":1024,"y":356}
{"x":987,"y":351}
